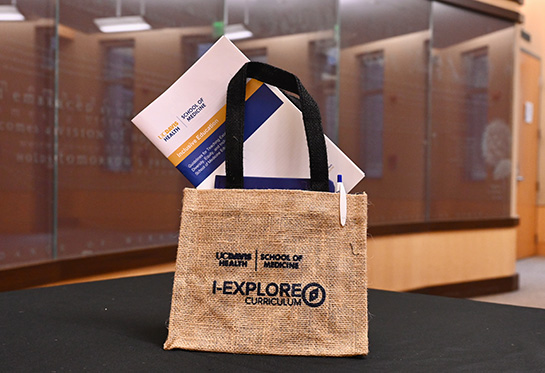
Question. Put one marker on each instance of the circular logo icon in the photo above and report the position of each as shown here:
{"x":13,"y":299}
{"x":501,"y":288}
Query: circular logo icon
{"x":313,"y":295}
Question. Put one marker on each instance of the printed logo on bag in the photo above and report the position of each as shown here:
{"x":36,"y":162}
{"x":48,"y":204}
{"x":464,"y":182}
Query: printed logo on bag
{"x":314,"y":295}
{"x":272,"y":294}
{"x":268,"y":260}
{"x":227,"y":259}
{"x":281,"y":261}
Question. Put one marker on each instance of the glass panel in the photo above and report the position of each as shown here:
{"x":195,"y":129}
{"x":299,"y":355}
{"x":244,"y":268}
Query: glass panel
{"x":298,"y":36}
{"x":26,"y":134}
{"x":372,"y":115}
{"x":116,"y":190}
{"x":472,"y":74}
{"x":424,"y":109}
{"x":383,"y":103}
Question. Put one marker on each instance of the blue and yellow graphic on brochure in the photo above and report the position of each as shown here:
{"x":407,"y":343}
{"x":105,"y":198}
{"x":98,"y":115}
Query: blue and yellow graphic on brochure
{"x":204,"y":152}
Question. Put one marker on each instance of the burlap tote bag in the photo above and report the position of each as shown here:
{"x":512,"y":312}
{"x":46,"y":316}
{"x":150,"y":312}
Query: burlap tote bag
{"x":270,"y":271}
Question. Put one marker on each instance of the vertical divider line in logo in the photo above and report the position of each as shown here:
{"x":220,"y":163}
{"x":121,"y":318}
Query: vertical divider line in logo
{"x":256,"y":260}
{"x":181,"y":121}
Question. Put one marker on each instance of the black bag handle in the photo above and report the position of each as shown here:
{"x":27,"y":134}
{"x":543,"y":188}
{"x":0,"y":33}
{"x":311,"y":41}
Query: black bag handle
{"x":234,"y":123}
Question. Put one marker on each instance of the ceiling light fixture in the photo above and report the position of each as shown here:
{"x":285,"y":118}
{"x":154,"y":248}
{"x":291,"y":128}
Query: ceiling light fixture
{"x":238,"y":31}
{"x":10,"y":12}
{"x":122,"y":23}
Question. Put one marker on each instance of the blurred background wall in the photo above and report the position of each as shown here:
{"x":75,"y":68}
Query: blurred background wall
{"x":427,"y":97}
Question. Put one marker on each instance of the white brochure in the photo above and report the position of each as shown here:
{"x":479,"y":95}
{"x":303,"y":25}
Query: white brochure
{"x":186,"y":123}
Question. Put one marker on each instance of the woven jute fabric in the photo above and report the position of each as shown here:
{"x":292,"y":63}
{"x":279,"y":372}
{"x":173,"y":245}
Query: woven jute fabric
{"x":270,"y":272}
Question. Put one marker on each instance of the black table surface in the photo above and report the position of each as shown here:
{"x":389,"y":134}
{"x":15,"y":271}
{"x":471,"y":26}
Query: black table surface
{"x":119,"y":326}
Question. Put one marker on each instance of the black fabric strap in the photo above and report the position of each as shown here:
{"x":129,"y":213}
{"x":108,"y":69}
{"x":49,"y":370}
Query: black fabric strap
{"x":234,"y":121}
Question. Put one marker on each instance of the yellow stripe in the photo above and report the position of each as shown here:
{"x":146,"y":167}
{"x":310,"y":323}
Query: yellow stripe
{"x":207,"y":129}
